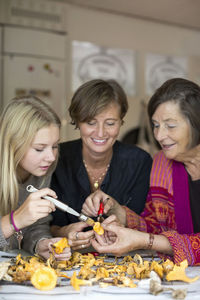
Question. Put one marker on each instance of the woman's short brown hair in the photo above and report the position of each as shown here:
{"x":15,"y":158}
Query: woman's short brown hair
{"x":93,"y":97}
{"x":187,"y":94}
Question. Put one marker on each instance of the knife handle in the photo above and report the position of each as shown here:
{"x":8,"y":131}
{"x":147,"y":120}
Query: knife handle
{"x":30,"y":188}
{"x":101,"y":209}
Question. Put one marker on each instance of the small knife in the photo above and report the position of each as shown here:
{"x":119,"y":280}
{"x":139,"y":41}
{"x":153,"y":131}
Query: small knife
{"x":63,"y":206}
{"x":100,"y":212}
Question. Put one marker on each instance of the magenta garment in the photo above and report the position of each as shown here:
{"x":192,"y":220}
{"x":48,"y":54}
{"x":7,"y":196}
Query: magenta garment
{"x":167,"y":210}
{"x":183,"y":215}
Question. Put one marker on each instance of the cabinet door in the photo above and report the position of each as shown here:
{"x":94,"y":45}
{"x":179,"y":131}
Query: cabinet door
{"x":43,"y":78}
{"x":39,"y":43}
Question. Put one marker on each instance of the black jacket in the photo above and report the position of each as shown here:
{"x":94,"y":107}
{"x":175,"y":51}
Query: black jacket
{"x":127,"y":179}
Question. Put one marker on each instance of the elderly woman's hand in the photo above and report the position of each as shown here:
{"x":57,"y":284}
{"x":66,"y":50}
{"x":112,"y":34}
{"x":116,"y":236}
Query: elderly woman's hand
{"x":111,"y":206}
{"x":126,"y":240}
{"x":110,"y":236}
{"x":44,"y":248}
{"x":191,"y":160}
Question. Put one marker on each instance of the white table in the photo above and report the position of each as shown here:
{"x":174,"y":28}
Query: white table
{"x":22,"y":292}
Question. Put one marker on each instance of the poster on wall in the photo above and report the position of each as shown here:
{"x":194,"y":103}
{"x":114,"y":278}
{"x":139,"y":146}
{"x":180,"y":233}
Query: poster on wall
{"x":160,"y":68}
{"x":90,"y":61}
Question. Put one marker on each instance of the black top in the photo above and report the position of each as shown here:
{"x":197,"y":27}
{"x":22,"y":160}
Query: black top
{"x":194,"y":188}
{"x":127,"y":179}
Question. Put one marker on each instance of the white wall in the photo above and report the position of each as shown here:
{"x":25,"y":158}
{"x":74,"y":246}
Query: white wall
{"x":143,"y":36}
{"x":109,"y":30}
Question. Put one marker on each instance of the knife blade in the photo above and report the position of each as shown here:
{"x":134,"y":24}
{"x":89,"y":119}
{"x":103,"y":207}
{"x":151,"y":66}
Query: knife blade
{"x":31,"y":189}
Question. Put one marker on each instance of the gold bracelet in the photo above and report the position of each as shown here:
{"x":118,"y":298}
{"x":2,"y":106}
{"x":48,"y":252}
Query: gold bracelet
{"x":151,"y":240}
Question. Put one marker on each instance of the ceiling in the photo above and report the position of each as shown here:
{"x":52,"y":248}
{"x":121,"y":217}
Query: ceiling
{"x":184,"y":13}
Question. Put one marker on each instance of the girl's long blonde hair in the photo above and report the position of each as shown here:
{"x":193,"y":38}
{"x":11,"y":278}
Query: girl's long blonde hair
{"x":19,"y":123}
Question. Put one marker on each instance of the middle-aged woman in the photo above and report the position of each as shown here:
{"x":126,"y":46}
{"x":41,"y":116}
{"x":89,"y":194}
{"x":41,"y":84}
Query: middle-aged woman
{"x":29,"y":136}
{"x":97,"y":163}
{"x":170,"y":222}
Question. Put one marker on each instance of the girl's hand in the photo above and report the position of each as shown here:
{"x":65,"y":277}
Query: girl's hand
{"x":77,"y":239}
{"x":44,"y":248}
{"x":34,"y":208}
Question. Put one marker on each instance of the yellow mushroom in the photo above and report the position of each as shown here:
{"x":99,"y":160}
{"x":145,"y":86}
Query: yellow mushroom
{"x":98,"y":228}
{"x":44,"y":279}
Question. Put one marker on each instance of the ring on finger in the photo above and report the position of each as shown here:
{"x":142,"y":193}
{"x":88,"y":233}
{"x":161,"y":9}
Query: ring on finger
{"x":82,"y":246}
{"x":76,"y":235}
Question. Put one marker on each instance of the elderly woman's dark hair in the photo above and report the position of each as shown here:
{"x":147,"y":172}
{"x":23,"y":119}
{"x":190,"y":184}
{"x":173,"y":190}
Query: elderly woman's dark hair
{"x":93,"y":97}
{"x":187,"y":95}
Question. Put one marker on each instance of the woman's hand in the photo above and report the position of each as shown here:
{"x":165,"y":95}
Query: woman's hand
{"x":77,"y":239}
{"x":34,"y":208}
{"x":91,"y":205}
{"x":44,"y":249}
{"x":111,"y":206}
{"x":191,"y":160}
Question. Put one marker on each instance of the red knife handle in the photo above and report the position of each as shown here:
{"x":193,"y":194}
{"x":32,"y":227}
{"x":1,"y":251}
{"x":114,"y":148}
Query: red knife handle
{"x":101,"y":208}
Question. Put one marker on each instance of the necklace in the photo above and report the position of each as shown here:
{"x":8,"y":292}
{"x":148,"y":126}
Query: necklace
{"x":96,"y":181}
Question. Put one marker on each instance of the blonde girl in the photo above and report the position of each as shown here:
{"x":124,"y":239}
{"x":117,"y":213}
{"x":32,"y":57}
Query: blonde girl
{"x":29,"y":136}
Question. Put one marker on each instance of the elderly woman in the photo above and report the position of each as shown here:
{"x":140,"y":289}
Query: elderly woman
{"x":97,"y":163}
{"x":170,"y":222}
